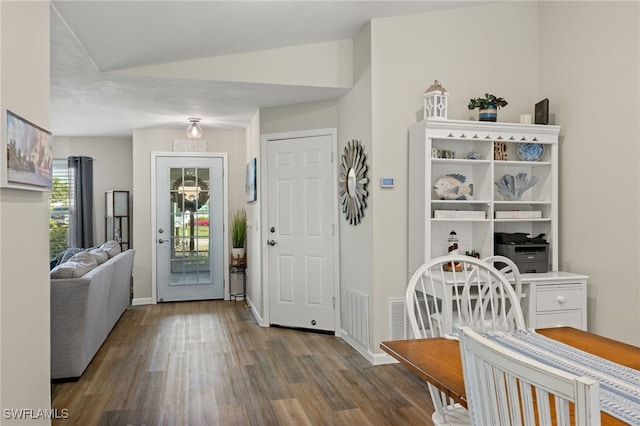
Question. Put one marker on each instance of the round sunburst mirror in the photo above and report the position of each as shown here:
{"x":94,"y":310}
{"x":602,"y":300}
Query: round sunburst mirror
{"x":353,"y":182}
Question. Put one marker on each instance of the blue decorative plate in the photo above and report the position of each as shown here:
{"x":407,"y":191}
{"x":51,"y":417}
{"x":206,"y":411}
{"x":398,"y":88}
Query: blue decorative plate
{"x":530,"y":151}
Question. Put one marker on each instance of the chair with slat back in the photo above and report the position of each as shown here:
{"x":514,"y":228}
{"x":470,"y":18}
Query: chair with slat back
{"x":509,"y":269}
{"x":452,"y":291}
{"x":504,"y":387}
{"x":490,"y":310}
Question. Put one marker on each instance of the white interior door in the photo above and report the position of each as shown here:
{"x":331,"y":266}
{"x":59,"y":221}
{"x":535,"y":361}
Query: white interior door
{"x":189,"y":230}
{"x":300,"y":232}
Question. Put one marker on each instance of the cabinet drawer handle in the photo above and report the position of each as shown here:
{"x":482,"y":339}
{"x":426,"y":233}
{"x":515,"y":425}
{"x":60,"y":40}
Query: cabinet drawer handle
{"x":561,"y":299}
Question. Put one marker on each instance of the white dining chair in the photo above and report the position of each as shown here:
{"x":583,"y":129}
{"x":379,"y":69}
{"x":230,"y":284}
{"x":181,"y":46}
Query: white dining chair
{"x":489,"y":311}
{"x":504,"y":387}
{"x":510,"y":270}
{"x":452,"y":291}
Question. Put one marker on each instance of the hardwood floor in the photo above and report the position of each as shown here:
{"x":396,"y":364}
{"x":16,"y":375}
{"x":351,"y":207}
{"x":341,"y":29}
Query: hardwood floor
{"x":209,"y":363}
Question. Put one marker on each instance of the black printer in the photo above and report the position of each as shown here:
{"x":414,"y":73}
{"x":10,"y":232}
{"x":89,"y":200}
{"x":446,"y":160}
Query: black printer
{"x":530,"y":254}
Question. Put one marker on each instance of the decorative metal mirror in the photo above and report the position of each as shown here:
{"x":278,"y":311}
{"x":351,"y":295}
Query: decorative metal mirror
{"x":353,"y":182}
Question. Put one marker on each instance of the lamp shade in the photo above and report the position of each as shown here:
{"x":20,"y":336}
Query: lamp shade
{"x":194,"y":131}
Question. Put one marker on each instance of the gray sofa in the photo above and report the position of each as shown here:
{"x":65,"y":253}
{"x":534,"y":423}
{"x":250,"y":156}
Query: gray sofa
{"x":85,"y":306}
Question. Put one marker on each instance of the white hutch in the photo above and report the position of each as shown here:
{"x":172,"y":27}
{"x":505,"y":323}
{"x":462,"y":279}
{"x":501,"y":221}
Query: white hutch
{"x":480,"y":154}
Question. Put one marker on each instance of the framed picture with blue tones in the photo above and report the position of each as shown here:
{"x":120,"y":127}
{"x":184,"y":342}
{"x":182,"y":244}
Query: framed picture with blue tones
{"x":252,"y":193}
{"x":29,"y":154}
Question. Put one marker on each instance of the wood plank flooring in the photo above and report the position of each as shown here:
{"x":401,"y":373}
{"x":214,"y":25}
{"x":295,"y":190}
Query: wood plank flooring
{"x":209,"y":363}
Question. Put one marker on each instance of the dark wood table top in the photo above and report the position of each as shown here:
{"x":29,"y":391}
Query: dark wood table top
{"x":437,"y":360}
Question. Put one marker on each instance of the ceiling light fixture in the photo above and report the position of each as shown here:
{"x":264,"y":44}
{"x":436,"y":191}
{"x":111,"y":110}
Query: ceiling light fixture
{"x":194,"y":131}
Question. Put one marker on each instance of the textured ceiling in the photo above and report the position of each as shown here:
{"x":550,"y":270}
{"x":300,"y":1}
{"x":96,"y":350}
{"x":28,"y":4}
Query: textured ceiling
{"x":91,"y":38}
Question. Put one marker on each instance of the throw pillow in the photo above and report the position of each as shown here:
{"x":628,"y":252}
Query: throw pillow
{"x":111,"y":247}
{"x":99,"y":255}
{"x":77,"y":266}
{"x":69,"y":252}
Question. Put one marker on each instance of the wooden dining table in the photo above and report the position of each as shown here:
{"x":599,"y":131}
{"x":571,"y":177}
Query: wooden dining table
{"x":437,"y":360}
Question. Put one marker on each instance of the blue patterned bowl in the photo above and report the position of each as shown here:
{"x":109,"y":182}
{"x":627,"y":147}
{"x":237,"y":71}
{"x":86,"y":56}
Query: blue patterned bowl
{"x":530,"y":151}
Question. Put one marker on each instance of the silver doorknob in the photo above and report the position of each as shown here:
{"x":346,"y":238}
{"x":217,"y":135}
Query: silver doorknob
{"x":272,"y":242}
{"x":161,"y":240}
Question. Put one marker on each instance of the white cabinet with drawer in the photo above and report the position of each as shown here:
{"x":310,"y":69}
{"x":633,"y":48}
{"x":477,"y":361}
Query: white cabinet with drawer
{"x":555,"y":299}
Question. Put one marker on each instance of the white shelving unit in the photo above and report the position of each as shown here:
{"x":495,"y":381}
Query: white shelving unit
{"x":428,"y":235}
{"x":554,"y":298}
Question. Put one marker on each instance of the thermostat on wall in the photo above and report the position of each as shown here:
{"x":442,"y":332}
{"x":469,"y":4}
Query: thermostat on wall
{"x":387,"y":182}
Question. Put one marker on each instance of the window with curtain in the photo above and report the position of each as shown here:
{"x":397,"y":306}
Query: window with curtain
{"x":59,"y":202}
{"x":81,"y":201}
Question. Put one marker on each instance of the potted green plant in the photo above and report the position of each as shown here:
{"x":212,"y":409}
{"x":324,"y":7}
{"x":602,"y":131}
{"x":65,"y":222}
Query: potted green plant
{"x":238,"y":233}
{"x":487,"y":106}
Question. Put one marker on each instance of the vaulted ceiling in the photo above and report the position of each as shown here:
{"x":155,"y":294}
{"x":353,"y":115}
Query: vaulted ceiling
{"x":93,"y":41}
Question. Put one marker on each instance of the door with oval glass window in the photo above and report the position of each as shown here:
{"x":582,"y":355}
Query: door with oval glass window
{"x":189,"y":228}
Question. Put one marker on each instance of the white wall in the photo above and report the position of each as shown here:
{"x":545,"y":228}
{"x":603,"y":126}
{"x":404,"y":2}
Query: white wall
{"x":317,"y":65}
{"x":298,"y":117}
{"x":146,"y":141}
{"x":112,"y":170}
{"x":356,"y":241}
{"x":24,"y":234}
{"x":592,"y":81}
{"x":407,"y":54}
{"x":255,"y":296}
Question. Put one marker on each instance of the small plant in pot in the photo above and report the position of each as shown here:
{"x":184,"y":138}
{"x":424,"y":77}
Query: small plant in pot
{"x":487,"y":106}
{"x":238,"y":233}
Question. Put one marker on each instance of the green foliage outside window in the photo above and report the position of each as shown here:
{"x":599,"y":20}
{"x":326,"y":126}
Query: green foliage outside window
{"x":58,"y":225}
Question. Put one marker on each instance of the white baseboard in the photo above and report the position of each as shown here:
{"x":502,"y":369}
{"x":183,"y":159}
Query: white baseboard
{"x":142,"y":301}
{"x":256,"y":315}
{"x":374,"y":359}
{"x":380,"y":359}
{"x":356,"y":345}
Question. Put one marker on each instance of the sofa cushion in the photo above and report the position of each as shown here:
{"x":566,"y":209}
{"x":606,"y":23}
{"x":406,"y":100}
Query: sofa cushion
{"x":99,"y":255}
{"x":77,"y":266}
{"x":68,"y":253}
{"x":112,"y":248}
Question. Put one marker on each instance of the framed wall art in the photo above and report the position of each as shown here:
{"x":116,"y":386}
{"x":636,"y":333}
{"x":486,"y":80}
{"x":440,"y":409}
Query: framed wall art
{"x":252,"y":194}
{"x":29,"y":157}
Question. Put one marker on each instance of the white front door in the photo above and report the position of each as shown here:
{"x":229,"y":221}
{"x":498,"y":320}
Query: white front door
{"x":301,"y":202}
{"x":189,"y":228}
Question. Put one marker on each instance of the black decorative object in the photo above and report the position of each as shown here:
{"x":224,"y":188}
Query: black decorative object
{"x":542,"y":112}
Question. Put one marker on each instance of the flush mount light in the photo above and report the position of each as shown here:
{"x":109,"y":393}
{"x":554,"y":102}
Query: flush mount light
{"x":194,"y":131}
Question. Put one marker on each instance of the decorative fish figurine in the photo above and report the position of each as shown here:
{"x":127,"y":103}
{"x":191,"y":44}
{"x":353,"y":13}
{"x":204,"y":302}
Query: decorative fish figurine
{"x":453,"y":187}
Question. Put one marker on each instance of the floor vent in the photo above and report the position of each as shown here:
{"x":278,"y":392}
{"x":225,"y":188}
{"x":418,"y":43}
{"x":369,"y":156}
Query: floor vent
{"x":358,"y":317}
{"x":398,"y":323}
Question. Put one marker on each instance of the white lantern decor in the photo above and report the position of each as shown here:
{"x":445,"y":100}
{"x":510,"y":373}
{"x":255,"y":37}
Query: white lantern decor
{"x":435,"y":102}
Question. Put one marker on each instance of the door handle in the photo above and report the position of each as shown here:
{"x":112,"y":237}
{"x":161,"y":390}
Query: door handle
{"x":272,"y":242}
{"x":161,"y":240}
